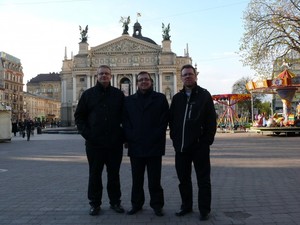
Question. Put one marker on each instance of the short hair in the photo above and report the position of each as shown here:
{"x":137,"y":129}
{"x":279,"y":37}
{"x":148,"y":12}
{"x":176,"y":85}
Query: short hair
{"x":188,"y":66}
{"x":144,"y":72}
{"x":104,"y":66}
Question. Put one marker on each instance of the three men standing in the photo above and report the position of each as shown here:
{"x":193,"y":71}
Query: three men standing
{"x":144,"y":116}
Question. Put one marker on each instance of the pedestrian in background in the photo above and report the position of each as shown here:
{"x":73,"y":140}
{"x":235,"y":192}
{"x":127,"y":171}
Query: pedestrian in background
{"x":98,"y":117}
{"x":28,"y":124}
{"x":145,"y":123}
{"x":15,"y":127}
{"x":192,"y":130}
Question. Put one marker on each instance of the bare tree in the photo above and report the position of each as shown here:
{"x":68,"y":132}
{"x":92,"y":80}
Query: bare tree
{"x":272,"y":30}
{"x":239,"y":87}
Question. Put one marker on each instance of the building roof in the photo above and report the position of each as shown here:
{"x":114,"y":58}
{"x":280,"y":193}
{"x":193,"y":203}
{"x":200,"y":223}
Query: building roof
{"x":46,"y":77}
{"x":28,"y":94}
{"x":9,"y":57}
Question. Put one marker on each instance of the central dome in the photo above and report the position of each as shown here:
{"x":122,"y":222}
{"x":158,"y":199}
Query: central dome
{"x":137,"y":33}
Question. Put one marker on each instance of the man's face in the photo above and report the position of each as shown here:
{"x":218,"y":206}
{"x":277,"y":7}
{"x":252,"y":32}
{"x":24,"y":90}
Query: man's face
{"x":188,"y":77}
{"x":103,"y":76}
{"x":144,"y":82}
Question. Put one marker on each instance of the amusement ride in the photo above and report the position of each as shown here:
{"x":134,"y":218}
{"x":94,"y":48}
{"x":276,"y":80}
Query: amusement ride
{"x":285,"y":85}
{"x":229,"y":119}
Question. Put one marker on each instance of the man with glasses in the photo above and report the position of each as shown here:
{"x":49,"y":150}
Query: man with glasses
{"x":98,"y":117}
{"x":192,"y":130}
{"x":145,"y":123}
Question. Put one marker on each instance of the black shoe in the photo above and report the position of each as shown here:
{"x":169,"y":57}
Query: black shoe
{"x":117,"y":208}
{"x":204,"y":217}
{"x":133,"y":211}
{"x":94,"y":210}
{"x":158,"y":212}
{"x":183,"y":212}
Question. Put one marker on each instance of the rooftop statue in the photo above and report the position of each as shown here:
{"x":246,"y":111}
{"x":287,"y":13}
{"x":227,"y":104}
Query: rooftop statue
{"x":83,"y":33}
{"x":126,"y":22}
{"x":166,"y":31}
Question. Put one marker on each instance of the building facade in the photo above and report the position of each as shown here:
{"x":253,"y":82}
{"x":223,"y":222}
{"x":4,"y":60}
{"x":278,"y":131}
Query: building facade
{"x":11,"y":84}
{"x":127,"y":56}
{"x":48,"y":85}
{"x":41,"y":108}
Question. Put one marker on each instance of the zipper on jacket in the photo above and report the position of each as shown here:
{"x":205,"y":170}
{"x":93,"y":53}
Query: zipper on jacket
{"x":190,"y":111}
{"x":184,"y":120}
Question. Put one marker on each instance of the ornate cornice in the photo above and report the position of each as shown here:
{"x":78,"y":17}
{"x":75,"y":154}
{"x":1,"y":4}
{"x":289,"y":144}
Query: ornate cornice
{"x":125,"y":45}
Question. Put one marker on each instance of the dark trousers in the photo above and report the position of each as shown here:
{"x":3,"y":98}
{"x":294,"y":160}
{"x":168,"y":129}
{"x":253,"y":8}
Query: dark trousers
{"x":97,"y":158}
{"x":183,"y":163}
{"x":138,"y":166}
{"x":28,"y":132}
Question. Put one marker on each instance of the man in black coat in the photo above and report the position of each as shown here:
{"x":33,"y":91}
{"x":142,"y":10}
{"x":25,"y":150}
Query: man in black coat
{"x":98,"y":117}
{"x":192,"y":130}
{"x":15,"y":127}
{"x":145,"y":123}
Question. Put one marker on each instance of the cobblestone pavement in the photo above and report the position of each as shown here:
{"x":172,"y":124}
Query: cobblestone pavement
{"x":255,"y":180}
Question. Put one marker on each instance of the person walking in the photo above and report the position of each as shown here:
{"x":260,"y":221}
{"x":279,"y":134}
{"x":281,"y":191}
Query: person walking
{"x":15,"y":127}
{"x":145,"y":123}
{"x":21,"y":127}
{"x":28,"y":128}
{"x":192,"y":131}
{"x":98,"y":117}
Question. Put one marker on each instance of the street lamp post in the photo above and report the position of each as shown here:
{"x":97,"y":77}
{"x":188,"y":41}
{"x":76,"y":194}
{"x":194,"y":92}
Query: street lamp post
{"x":252,"y":108}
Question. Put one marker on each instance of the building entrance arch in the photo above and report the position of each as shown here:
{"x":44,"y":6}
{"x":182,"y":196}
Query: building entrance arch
{"x":125,"y":86}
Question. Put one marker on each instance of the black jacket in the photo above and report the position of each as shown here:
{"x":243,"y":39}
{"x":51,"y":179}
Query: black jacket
{"x":145,"y":123}
{"x":28,"y":125}
{"x":98,"y":116}
{"x":192,"y":120}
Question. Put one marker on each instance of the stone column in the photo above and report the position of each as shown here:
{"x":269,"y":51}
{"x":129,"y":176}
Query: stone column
{"x":160,"y":83}
{"x":93,"y":80}
{"x":74,"y":88}
{"x":114,"y":80}
{"x":64,"y":91}
{"x":88,"y":81}
{"x":174,"y":84}
{"x":133,"y":83}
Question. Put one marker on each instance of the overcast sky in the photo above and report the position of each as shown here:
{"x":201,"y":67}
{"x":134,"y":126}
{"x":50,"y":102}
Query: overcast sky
{"x":37,"y":32}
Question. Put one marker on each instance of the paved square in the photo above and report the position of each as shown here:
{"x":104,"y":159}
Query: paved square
{"x":255,"y":180}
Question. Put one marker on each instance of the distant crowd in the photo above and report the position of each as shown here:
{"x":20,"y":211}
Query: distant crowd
{"x":20,"y":125}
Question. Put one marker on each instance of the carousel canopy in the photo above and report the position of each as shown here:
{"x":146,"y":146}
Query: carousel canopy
{"x":284,"y":80}
{"x":231,"y":97}
{"x":286,"y":74}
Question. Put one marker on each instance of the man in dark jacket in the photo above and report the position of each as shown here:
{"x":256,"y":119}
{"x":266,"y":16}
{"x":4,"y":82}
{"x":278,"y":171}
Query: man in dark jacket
{"x":98,"y":118}
{"x":145,"y":123}
{"x":192,"y":130}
